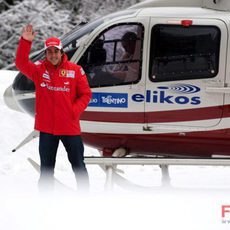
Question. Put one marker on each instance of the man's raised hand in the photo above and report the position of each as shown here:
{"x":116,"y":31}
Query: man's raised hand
{"x":28,"y":33}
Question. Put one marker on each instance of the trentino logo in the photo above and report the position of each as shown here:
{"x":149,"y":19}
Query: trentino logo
{"x":118,"y":100}
{"x":173,"y":94}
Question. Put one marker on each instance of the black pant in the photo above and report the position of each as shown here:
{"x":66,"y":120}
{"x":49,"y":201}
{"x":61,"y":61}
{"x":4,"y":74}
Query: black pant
{"x":48,"y":145}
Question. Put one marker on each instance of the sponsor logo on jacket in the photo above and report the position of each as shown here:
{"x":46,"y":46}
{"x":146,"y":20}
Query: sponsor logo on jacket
{"x":67,"y":73}
{"x":46,"y":75}
{"x":54,"y":88}
{"x":38,"y":62}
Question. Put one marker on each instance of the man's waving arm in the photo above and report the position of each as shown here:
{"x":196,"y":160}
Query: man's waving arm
{"x":22,"y":55}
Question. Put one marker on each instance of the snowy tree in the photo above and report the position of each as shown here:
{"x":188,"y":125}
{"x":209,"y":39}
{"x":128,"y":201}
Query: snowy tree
{"x":86,"y":10}
{"x":49,"y":18}
{"x":5,"y":4}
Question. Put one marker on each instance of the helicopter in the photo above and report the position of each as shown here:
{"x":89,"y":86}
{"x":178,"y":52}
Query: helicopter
{"x":173,"y":99}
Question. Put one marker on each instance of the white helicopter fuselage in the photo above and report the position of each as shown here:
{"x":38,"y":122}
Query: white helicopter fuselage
{"x":178,"y":103}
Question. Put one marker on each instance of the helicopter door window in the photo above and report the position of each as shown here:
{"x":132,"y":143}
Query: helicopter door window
{"x":115,"y":56}
{"x":180,"y":53}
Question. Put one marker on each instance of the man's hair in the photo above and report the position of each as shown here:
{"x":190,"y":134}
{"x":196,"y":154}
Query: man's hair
{"x":129,"y":36}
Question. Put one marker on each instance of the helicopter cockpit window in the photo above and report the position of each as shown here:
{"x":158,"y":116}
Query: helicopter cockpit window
{"x":70,"y":49}
{"x":115,"y":56}
{"x":180,"y":53}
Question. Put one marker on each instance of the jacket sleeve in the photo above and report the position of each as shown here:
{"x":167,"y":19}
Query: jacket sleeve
{"x":83,"y":92}
{"x":22,"y":61}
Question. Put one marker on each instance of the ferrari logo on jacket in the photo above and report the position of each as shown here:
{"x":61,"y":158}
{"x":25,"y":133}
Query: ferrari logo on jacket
{"x":67,"y":73}
{"x":63,"y":72}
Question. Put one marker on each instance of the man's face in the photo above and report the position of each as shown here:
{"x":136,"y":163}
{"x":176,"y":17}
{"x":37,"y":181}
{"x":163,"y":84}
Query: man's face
{"x":54,"y":55}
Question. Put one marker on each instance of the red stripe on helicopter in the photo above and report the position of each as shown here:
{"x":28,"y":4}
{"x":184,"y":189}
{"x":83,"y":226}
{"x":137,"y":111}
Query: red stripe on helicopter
{"x":196,"y":144}
{"x":215,"y":112}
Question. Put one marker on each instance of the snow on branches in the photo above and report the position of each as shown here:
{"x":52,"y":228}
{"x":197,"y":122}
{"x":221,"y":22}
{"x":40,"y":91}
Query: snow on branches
{"x":49,"y":18}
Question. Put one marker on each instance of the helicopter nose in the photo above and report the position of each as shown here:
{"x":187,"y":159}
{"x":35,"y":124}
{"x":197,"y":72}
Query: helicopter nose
{"x":23,"y":91}
{"x":10,"y":101}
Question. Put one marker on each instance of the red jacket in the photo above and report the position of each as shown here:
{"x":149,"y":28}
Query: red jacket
{"x":62,"y":93}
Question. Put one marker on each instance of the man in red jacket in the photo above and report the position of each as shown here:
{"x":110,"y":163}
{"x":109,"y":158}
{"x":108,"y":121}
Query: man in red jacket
{"x":62,"y":94}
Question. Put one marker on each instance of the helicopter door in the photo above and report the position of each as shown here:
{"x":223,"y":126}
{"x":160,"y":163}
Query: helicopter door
{"x":113,"y":64}
{"x":186,"y":58}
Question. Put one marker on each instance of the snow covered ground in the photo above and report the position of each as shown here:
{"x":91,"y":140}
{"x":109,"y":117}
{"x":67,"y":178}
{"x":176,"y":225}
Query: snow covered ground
{"x":193,"y":201}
